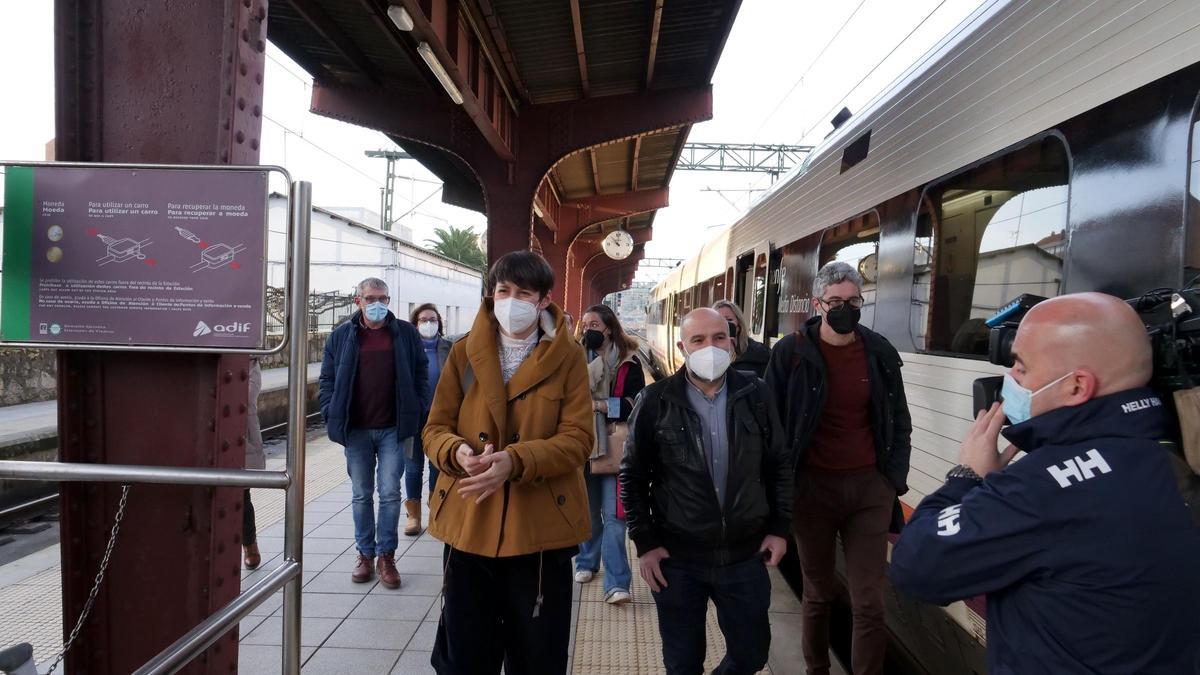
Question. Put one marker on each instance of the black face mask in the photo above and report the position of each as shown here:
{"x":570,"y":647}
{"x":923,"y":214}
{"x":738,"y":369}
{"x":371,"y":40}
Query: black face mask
{"x":843,"y":319}
{"x":593,"y":339}
{"x":733,"y":330}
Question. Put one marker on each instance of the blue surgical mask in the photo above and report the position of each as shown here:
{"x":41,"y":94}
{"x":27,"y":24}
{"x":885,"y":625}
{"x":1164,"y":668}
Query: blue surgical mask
{"x":1018,"y":399}
{"x":376,"y":311}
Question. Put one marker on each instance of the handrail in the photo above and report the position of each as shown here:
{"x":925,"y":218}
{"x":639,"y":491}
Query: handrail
{"x":200,"y":638}
{"x":293,"y":521}
{"x":82,"y":472}
{"x":289,"y":574}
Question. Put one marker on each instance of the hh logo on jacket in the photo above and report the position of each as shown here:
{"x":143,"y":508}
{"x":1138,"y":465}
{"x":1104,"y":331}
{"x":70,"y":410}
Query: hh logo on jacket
{"x":1079,"y":469}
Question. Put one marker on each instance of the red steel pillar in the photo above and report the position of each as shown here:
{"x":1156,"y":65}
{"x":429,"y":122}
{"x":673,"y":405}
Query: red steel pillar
{"x":154,"y":82}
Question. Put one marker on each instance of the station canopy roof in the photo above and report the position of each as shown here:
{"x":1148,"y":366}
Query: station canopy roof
{"x":539,"y":52}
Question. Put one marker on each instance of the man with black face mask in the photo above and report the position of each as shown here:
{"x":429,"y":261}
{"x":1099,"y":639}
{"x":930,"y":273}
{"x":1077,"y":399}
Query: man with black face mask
{"x":837,"y":385}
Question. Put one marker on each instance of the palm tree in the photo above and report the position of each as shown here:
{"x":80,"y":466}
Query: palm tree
{"x":461,"y":244}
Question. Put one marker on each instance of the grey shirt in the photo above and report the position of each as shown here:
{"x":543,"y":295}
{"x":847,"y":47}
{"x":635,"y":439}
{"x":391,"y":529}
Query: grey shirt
{"x":714,"y":434}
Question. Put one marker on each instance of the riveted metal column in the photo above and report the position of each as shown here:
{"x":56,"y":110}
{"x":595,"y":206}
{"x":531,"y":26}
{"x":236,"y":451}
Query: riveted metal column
{"x":177,"y":82}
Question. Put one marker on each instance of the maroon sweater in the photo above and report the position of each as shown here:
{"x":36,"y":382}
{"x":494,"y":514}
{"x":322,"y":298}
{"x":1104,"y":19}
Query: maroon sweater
{"x":844,"y":441}
{"x":374,"y":403}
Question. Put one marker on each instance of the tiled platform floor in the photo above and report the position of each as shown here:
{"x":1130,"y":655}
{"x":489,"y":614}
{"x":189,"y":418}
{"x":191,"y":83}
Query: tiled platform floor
{"x":368,"y":629}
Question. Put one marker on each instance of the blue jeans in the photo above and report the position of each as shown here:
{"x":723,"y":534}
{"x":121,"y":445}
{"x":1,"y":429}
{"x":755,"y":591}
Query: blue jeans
{"x":414,"y":470}
{"x":742,"y":595}
{"x":608,"y":534}
{"x":372,"y":453}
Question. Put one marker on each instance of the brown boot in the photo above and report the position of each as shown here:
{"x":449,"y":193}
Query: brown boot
{"x":252,"y":557}
{"x":386,"y":566}
{"x":363,"y":569}
{"x":413,"y":527}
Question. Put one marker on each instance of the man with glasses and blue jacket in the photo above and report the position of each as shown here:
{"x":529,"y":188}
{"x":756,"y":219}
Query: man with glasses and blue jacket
{"x":373,"y":393}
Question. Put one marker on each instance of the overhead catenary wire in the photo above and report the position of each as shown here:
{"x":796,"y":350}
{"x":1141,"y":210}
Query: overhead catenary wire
{"x":800,"y":80}
{"x":288,"y":130}
{"x":842,"y":100}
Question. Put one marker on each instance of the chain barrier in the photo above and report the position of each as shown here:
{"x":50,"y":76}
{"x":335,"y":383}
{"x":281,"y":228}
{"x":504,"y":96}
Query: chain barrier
{"x":91,"y":600}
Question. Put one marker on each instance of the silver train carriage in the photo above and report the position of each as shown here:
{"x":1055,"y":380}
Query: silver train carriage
{"x":1040,"y":147}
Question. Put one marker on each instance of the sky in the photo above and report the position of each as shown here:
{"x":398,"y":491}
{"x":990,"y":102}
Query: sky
{"x":787,"y":68}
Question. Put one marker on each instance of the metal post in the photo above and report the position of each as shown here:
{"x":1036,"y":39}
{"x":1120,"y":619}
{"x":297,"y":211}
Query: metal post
{"x":293,"y":536}
{"x":182,"y":651}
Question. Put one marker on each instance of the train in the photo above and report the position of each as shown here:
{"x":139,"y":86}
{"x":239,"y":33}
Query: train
{"x":1040,"y":147}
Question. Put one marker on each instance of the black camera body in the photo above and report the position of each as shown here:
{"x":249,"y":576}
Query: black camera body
{"x":1172,"y":321}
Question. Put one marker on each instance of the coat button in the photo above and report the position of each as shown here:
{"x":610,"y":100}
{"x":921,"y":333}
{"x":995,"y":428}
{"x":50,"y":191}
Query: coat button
{"x":482,"y":437}
{"x":515,"y":438}
{"x":561,"y":500}
{"x":441,"y":494}
{"x":521,"y":397}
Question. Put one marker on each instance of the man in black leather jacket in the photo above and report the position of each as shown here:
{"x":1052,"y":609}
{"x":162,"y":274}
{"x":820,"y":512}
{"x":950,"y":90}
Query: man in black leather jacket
{"x":707,"y":485}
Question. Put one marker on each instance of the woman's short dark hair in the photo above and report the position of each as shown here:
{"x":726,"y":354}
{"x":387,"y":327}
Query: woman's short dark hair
{"x":522,"y":268}
{"x":421,"y":308}
{"x":625,"y":344}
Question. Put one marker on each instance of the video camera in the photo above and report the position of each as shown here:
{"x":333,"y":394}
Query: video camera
{"x":1172,"y":320}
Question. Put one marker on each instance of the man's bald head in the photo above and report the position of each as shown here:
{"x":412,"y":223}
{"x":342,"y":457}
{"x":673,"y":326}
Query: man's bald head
{"x":1096,"y":337}
{"x":701,"y":328}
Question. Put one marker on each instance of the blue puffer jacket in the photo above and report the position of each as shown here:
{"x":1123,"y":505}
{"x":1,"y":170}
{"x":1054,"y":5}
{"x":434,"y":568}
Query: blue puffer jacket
{"x":1085,"y":547}
{"x":340,"y":366}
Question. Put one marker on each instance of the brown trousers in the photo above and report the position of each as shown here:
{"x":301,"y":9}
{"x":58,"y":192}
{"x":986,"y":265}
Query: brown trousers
{"x":859,"y":508}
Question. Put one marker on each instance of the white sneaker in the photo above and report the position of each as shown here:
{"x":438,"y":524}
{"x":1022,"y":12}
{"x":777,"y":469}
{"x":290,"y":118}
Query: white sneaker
{"x":618,"y":596}
{"x":584,"y":576}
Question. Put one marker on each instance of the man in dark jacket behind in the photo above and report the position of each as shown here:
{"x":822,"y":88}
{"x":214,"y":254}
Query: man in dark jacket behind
{"x":838,"y":385}
{"x":373,"y":393}
{"x":707,"y":486}
{"x":1085,"y":548}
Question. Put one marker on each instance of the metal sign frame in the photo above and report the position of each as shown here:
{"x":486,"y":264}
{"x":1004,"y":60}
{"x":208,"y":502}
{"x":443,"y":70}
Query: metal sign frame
{"x":289,"y":262}
{"x":289,"y":574}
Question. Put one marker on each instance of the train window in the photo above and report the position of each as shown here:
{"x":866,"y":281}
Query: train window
{"x":856,"y":242}
{"x":986,"y":236}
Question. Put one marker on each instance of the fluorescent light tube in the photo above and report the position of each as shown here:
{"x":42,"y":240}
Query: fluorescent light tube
{"x":439,"y":71}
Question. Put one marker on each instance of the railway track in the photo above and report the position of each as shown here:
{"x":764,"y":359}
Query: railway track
{"x":30,"y":514}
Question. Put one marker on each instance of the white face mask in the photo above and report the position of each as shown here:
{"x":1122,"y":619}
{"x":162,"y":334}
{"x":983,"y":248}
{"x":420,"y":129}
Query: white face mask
{"x":709,"y":363}
{"x":427,"y":329}
{"x":515,"y":316}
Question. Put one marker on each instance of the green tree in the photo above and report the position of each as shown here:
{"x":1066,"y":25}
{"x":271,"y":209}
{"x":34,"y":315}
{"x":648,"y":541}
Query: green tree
{"x":461,"y":244}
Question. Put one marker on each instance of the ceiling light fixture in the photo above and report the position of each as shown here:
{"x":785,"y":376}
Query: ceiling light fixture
{"x":400,"y":17}
{"x":439,"y":71}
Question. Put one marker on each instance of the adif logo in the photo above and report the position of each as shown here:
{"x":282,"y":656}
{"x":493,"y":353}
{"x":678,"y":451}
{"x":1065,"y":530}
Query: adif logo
{"x":948,"y":525}
{"x":226,"y":328}
{"x":1079,"y":469}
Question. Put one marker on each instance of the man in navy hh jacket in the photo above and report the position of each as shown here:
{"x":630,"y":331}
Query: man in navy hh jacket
{"x":373,"y":392}
{"x":1085,"y":548}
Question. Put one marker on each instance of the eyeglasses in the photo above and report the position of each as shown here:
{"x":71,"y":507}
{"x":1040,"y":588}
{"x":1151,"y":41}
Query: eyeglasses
{"x":376,"y":298}
{"x":833,"y":303}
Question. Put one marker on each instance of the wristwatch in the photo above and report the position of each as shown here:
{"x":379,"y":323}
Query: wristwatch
{"x":963,"y":471}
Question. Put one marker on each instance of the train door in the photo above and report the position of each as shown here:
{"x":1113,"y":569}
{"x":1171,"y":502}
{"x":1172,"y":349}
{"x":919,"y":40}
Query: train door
{"x":755,"y":290}
{"x":743,"y":280}
{"x":774,"y":271}
{"x":672,"y":326}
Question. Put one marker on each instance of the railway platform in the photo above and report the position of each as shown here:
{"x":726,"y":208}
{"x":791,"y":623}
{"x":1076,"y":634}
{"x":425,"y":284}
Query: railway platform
{"x":366,"y":628}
